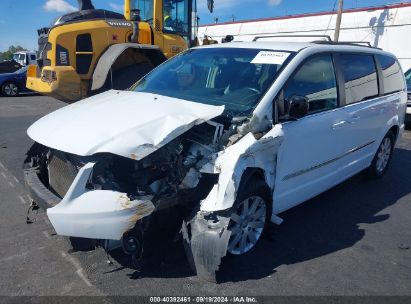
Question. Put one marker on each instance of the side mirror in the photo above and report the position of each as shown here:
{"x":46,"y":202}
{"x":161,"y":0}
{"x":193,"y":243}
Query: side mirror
{"x":298,"y":107}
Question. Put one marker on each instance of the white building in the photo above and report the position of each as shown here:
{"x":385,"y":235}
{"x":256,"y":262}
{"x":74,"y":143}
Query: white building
{"x":387,"y":27}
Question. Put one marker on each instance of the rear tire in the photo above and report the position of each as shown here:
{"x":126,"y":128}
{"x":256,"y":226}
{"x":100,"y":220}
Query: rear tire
{"x":10,"y":89}
{"x":382,"y":158}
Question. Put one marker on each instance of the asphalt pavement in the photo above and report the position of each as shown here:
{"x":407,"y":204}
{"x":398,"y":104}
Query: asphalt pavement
{"x":354,"y":239}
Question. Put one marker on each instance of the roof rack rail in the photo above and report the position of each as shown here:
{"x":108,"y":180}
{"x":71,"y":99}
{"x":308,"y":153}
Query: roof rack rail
{"x":367,"y":43}
{"x":295,"y":36}
{"x":359,"y":43}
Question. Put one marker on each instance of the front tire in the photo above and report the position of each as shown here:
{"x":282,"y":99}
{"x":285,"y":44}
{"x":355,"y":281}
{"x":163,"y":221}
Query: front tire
{"x":382,"y":158}
{"x":10,"y":89}
{"x":251,"y":215}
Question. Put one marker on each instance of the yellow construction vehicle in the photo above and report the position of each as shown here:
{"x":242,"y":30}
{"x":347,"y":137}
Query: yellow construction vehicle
{"x":93,"y":50}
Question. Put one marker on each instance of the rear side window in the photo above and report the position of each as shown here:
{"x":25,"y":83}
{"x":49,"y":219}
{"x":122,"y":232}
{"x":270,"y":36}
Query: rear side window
{"x":392,"y":76}
{"x":360,"y":76}
{"x":315,"y":80}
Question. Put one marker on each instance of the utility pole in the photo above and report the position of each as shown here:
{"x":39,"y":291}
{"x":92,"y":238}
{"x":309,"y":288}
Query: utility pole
{"x":338,"y":24}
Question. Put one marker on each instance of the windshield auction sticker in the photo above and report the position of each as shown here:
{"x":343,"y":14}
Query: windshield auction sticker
{"x":268,"y":57}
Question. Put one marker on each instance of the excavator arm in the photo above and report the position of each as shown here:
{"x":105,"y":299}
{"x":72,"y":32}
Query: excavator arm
{"x":210,"y":5}
{"x":85,"y":5}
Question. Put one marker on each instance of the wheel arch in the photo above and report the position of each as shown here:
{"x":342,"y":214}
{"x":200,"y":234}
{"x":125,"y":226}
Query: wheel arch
{"x":395,"y":129}
{"x":120,"y":55}
{"x":9,"y":81}
{"x":256,"y":174}
{"x":253,"y":174}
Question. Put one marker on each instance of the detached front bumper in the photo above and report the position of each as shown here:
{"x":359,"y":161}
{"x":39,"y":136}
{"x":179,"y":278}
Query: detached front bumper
{"x":61,"y":82}
{"x":95,"y":214}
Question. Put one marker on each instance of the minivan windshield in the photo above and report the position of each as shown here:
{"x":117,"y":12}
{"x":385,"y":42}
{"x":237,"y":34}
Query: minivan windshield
{"x":234,"y":77}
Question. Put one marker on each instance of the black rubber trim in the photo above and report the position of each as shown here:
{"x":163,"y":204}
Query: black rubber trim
{"x":42,"y":196}
{"x":152,"y":35}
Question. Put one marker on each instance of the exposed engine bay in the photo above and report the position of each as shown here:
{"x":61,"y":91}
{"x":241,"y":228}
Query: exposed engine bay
{"x":163,"y":173}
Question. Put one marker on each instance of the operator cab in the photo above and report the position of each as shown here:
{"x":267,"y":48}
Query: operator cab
{"x":146,"y":8}
{"x":176,"y":17}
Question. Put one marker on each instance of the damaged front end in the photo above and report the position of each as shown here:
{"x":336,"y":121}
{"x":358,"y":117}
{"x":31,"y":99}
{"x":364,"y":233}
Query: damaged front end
{"x":111,"y":197}
{"x":109,"y":183}
{"x":111,"y":193}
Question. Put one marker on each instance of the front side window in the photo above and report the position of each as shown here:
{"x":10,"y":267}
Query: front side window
{"x":234,"y":77}
{"x":391,"y":73}
{"x":175,"y":13}
{"x":146,"y":9}
{"x":315,"y":81}
{"x":360,"y":76}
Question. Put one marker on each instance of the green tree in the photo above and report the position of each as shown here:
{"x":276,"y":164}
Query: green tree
{"x":7,"y":55}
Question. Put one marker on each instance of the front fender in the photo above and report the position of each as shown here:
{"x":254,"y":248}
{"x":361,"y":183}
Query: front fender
{"x":109,"y":57}
{"x":248,"y":152}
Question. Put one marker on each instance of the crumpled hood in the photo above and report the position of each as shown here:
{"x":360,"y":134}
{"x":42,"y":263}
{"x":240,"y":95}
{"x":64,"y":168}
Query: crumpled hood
{"x":126,"y":123}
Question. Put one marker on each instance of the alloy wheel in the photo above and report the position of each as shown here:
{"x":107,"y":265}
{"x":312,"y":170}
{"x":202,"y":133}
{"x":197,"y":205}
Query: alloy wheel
{"x":10,"y":89}
{"x":383,"y":154}
{"x":247,"y":224}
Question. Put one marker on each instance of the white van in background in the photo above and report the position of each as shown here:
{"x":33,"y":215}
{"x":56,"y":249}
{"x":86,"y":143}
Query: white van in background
{"x":25,"y":57}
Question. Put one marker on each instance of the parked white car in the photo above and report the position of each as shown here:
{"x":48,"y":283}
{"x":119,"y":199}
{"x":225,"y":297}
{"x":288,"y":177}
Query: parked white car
{"x":233,"y":134}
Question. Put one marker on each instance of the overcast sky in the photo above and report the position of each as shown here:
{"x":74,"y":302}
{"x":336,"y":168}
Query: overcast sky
{"x":19,"y":19}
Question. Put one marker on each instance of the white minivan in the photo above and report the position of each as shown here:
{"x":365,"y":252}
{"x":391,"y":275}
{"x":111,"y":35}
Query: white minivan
{"x":232,"y":135}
